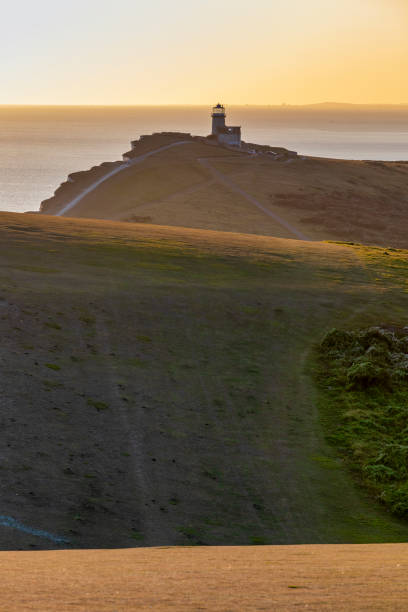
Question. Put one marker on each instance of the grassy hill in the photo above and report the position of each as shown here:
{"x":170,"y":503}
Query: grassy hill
{"x":156,"y":385}
{"x":211,"y":187}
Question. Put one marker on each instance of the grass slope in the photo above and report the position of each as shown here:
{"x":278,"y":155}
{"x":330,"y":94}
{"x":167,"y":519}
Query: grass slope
{"x":154,"y":385}
{"x":360,"y":201}
{"x":363,"y":374}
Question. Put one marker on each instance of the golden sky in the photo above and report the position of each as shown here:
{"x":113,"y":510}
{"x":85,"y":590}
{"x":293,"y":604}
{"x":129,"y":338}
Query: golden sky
{"x":200,"y":51}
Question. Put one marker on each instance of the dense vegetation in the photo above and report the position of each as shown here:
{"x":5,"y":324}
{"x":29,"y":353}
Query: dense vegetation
{"x":364,"y":378}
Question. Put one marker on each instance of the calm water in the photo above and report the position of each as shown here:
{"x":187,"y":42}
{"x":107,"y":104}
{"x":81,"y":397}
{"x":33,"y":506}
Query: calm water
{"x":40,"y":146}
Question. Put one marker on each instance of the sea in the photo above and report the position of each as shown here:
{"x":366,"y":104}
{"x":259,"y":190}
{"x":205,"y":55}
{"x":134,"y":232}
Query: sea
{"x":40,"y":146}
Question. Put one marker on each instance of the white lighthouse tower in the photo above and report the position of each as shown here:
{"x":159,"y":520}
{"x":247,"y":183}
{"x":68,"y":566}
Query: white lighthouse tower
{"x":230,"y":136}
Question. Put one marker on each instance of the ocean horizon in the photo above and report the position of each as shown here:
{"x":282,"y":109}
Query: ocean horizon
{"x":41,"y":145}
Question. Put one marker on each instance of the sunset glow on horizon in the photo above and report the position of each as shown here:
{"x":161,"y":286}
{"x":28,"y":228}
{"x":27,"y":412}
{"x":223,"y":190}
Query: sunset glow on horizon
{"x":182,"y":52}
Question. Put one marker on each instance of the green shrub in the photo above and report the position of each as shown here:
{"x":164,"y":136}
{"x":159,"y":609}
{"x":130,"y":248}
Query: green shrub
{"x":364,"y":373}
{"x":52,"y":325}
{"x":378,"y":353}
{"x":363,"y":376}
{"x":376,"y":335}
{"x":396,"y":497}
{"x":52,"y":366}
{"x":100,"y":406}
{"x":394,"y":456}
{"x":258,"y":541}
{"x":337,"y":340}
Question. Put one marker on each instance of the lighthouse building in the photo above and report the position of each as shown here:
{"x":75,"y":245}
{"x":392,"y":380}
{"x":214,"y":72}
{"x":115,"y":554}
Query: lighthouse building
{"x":223,"y":133}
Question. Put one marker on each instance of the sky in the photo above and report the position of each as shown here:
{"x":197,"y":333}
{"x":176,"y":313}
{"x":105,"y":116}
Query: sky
{"x":201,"y":51}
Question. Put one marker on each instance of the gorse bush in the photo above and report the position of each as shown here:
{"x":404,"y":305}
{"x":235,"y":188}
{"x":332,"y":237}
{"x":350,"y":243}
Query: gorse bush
{"x":363,"y":376}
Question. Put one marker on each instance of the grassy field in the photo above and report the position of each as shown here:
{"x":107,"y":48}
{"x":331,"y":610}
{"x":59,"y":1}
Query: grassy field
{"x":156,"y":385}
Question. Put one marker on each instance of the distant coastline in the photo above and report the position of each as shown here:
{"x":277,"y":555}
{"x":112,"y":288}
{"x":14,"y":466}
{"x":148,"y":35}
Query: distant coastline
{"x":40,"y":146}
{"x":313,"y":105}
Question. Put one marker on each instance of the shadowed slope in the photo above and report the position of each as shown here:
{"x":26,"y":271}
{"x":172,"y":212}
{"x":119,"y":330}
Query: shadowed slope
{"x":153,"y":386}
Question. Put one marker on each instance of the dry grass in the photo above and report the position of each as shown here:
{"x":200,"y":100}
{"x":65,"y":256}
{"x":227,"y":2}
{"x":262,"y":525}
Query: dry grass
{"x":323,"y":578}
{"x":333,"y":199}
{"x":325,"y":199}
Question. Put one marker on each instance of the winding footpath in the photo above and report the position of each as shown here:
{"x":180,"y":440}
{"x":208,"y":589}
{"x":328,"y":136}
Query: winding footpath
{"x":217,"y":177}
{"x":227,"y":182}
{"x":120,"y":168}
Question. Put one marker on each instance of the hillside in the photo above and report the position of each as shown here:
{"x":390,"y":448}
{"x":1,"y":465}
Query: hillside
{"x":258,"y":190}
{"x":156,"y":388}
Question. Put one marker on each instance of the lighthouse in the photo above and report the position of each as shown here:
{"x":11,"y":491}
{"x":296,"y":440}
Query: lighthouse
{"x":218,"y":118}
{"x":226,"y":135}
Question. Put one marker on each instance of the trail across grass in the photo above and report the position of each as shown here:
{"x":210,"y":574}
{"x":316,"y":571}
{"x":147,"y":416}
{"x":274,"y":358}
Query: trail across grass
{"x":72,"y":203}
{"x":179,"y":408}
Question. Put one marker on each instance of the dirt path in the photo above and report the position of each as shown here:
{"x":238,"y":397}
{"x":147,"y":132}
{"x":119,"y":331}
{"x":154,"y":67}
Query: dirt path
{"x":222,"y":179}
{"x":316,"y":578}
{"x":104,"y":178}
{"x":227,"y":182}
{"x":216,"y":177}
{"x":154,"y":393}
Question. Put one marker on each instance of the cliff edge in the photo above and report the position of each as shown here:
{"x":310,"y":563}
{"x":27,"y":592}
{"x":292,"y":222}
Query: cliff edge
{"x":176,"y":179}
